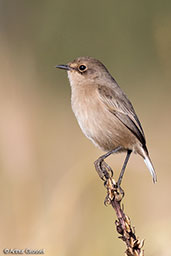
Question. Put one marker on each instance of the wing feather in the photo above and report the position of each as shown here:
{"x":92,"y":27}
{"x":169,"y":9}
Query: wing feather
{"x":119,"y":105}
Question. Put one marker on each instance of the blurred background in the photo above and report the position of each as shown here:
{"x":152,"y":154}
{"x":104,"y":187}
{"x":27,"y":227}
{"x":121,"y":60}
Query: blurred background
{"x":50,"y":194}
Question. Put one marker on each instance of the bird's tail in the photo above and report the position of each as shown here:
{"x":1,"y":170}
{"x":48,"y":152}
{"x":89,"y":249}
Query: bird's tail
{"x":150,"y":167}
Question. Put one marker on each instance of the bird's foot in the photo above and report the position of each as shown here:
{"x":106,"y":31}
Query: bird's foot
{"x":114,"y":192}
{"x":120,"y":191}
{"x":103,"y":169}
{"x":105,"y":172}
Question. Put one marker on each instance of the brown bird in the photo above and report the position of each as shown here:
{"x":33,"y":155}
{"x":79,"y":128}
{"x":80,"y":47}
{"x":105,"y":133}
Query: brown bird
{"x":104,"y":113}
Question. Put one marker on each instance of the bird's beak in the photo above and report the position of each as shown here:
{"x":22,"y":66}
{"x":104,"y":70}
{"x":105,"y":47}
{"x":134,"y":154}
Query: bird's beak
{"x":66,"y":67}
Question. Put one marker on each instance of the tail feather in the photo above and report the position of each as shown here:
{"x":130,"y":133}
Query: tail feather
{"x":151,"y":168}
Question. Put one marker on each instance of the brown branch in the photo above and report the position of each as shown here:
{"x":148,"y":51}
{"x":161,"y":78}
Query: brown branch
{"x":123,"y":224}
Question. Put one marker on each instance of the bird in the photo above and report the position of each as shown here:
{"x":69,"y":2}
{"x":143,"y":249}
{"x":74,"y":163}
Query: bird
{"x":105,"y":114}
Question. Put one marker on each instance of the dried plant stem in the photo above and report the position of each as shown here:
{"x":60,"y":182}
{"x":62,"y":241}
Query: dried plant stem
{"x":123,"y":224}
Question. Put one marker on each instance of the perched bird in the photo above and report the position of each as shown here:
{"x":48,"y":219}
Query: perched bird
{"x":104,"y":113}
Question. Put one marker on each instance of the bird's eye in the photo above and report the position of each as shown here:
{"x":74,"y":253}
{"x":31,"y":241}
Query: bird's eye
{"x":82,"y":68}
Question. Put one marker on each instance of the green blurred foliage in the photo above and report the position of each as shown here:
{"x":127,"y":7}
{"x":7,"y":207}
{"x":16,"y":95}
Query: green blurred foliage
{"x":50,"y":194}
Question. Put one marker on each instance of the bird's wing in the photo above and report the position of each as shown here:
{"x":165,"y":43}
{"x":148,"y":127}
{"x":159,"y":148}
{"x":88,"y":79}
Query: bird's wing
{"x":119,"y":105}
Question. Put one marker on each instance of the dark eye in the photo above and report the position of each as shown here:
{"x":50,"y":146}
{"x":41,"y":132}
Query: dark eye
{"x":82,"y":68}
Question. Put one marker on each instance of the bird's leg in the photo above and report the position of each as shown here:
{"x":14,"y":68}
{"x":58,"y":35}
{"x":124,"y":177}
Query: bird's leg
{"x":102,"y":167}
{"x":123,"y":169}
{"x":115,"y":190}
{"x":105,"y":173}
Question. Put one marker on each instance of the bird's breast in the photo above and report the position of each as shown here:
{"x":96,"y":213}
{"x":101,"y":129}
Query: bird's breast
{"x":87,"y":109}
{"x":96,"y":122}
